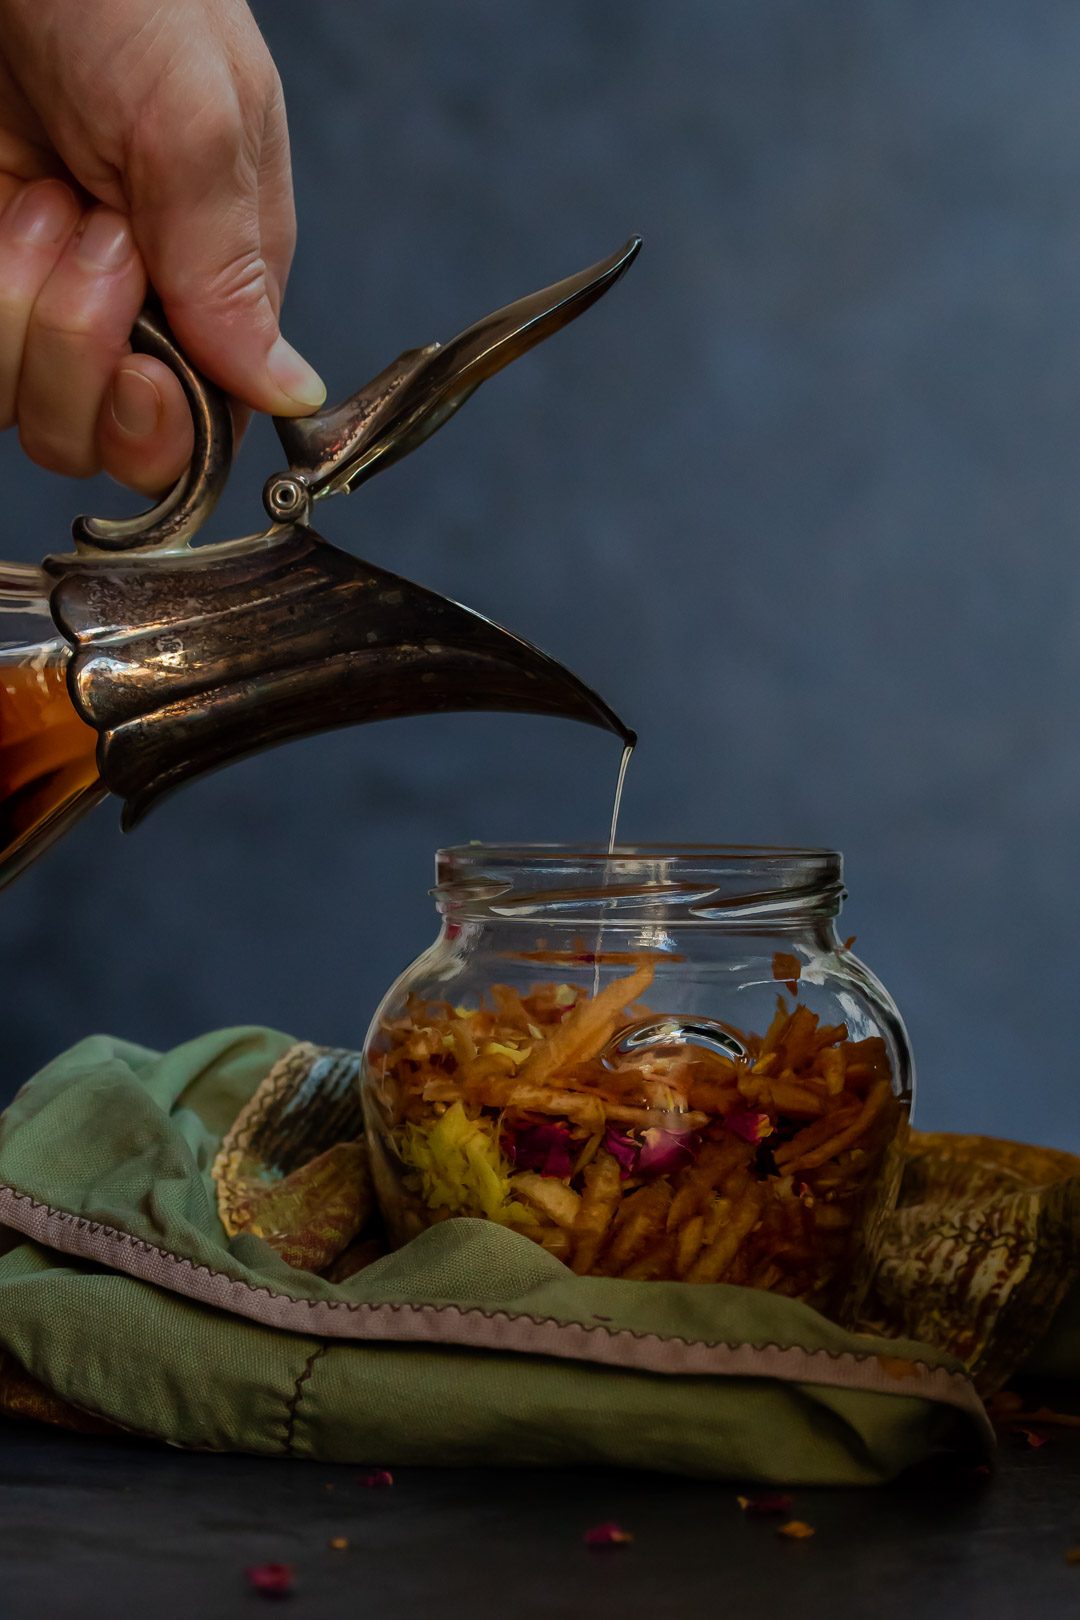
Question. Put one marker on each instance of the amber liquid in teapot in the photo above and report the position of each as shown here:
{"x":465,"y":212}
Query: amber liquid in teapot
{"x":48,"y":770}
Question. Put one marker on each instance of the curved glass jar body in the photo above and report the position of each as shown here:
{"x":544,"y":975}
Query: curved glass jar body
{"x":48,"y":766}
{"x":659,"y":1063}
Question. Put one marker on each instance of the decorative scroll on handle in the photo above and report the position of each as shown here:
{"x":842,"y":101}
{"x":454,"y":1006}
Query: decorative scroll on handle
{"x":340,"y":447}
{"x":334,"y":450}
{"x":176,"y":519}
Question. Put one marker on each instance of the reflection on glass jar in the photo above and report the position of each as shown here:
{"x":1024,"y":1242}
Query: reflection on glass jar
{"x":658,"y":1064}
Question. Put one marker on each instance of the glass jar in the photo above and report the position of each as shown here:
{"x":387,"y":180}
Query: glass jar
{"x":658,"y":1063}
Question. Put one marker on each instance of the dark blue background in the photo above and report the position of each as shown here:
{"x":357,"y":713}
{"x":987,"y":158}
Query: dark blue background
{"x":800,"y":498}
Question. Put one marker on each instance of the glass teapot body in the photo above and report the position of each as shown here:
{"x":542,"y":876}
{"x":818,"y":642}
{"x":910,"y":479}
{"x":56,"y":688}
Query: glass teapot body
{"x":48,"y":765}
{"x":658,"y":1064}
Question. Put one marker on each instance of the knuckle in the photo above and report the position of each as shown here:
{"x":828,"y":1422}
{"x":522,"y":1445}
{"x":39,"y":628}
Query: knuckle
{"x":212,"y":137}
{"x":73,"y":326}
{"x":237,"y":285}
{"x":54,"y":454}
{"x":242,"y":280}
{"x":216,"y":138}
{"x":255,"y":71}
{"x":87,"y":313}
{"x":259,"y":89}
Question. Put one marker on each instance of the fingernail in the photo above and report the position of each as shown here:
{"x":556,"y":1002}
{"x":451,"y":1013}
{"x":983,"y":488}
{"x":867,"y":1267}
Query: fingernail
{"x":292,"y":374}
{"x":105,"y":243}
{"x":43,"y":214}
{"x":135,"y":403}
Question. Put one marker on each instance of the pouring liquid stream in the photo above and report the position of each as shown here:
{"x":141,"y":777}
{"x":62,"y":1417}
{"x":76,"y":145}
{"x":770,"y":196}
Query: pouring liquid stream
{"x":620,"y":783}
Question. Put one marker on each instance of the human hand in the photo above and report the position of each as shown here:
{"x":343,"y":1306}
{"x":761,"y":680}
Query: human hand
{"x":139,"y":140}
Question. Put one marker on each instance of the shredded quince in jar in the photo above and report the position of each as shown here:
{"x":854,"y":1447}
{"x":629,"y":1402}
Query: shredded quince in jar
{"x":670,"y":1162}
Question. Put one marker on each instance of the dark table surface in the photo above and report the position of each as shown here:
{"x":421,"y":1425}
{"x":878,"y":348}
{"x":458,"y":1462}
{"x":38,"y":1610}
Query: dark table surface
{"x":93,"y":1528}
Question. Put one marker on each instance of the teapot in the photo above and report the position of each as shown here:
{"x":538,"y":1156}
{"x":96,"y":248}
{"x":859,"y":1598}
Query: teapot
{"x":138,"y":661}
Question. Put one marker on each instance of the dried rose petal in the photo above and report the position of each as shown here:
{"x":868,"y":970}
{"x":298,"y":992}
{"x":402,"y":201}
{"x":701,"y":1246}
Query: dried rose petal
{"x":1032,"y":1436}
{"x":762,"y":1506}
{"x":546,"y":1148}
{"x":607,"y":1535}
{"x":272,"y":1580}
{"x":376,"y":1480}
{"x":796,"y":1530}
{"x":663,"y":1152}
{"x":623,"y":1149}
{"x":750,"y":1124}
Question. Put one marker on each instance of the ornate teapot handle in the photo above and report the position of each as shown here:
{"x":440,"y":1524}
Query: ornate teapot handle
{"x":337,"y":448}
{"x":182,"y":512}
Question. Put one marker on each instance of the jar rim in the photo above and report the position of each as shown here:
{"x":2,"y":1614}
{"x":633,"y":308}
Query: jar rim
{"x":717,"y":884}
{"x":750,"y":854}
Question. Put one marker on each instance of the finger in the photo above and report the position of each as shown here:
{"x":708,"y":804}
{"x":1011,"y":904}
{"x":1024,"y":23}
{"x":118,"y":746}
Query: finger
{"x":34,"y":228}
{"x":241,"y":417}
{"x":197,"y":216}
{"x":277,"y":210}
{"x":79,"y":329}
{"x":144,"y":432}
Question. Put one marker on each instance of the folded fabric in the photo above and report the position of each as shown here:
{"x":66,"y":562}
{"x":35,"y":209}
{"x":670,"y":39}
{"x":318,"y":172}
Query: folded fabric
{"x":982,"y":1255}
{"x":124,"y":1298}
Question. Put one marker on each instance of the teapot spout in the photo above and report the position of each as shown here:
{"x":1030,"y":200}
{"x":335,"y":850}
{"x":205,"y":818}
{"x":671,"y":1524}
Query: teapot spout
{"x":211,"y":656}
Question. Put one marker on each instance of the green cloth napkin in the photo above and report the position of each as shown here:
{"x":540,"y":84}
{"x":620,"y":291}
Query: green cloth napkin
{"x":122,"y":1294}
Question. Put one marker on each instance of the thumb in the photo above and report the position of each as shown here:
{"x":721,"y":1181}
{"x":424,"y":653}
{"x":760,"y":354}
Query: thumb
{"x":206,"y":260}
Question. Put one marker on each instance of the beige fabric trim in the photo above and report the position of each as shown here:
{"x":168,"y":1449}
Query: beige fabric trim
{"x":393,"y":1322}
